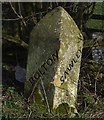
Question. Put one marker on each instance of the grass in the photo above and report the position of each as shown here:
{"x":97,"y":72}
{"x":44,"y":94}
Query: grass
{"x":90,"y":103}
{"x":90,"y":99}
{"x":97,"y":24}
{"x":99,"y":8}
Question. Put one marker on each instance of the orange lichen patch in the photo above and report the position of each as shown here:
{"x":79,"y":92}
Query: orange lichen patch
{"x":56,"y":82}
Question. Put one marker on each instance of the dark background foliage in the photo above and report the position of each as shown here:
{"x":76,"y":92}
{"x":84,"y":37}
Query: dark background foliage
{"x":18,"y":19}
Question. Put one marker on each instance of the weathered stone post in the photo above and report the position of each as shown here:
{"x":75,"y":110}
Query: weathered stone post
{"x":54,"y":59}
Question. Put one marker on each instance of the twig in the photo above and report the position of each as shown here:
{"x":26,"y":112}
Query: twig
{"x":19,"y":9}
{"x":95,"y":86}
{"x":10,"y":19}
{"x":31,"y":95}
{"x":45,"y":95}
{"x":89,"y":51}
{"x":19,"y":16}
{"x":29,"y":115}
{"x":14,"y":10}
{"x":96,"y":79}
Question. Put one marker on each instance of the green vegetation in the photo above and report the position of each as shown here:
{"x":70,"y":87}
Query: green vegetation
{"x":95,"y":24}
{"x":90,"y":102}
{"x":99,"y":8}
{"x":16,"y":32}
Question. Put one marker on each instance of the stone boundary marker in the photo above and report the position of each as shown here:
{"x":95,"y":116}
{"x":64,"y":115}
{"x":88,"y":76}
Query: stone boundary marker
{"x":53,"y":65}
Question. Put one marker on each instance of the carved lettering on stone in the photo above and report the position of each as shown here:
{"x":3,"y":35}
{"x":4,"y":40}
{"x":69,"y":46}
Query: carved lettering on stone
{"x":54,"y":59}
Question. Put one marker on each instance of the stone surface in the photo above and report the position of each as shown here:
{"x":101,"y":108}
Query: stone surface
{"x":54,"y":59}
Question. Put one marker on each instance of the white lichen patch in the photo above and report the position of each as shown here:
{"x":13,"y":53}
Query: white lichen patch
{"x":55,"y":56}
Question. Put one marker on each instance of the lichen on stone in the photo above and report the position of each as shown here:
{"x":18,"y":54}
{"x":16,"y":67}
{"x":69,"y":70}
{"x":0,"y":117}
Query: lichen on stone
{"x":57,"y":31}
